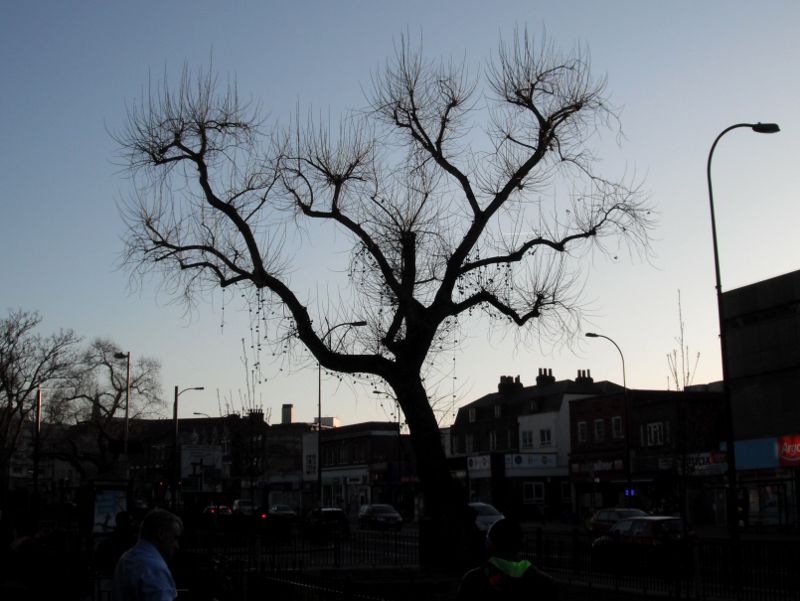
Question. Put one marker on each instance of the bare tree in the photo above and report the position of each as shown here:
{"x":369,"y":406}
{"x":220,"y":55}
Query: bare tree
{"x":681,"y":368}
{"x":95,"y":392}
{"x":28,"y":362}
{"x":441,"y":219}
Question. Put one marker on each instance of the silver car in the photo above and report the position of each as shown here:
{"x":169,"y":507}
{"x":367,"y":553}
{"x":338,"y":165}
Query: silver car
{"x":485,"y":515}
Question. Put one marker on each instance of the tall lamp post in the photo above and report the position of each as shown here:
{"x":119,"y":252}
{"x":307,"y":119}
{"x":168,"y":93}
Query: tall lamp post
{"x":349,"y":324}
{"x":733,"y":518}
{"x":126,"y":356}
{"x":176,"y":466}
{"x":625,"y":401}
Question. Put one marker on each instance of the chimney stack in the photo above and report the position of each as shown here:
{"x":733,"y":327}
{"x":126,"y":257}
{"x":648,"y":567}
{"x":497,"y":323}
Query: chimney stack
{"x":545,"y":377}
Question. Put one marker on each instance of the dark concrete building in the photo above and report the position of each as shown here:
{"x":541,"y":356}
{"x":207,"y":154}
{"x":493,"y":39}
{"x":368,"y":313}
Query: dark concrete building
{"x":762,"y":324}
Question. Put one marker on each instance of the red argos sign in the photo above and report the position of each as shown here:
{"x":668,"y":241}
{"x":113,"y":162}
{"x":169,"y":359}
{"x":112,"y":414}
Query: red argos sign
{"x":789,"y":450}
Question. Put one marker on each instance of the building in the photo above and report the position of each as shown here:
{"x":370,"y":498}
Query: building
{"x":653,"y":449}
{"x":762,"y":326}
{"x":370,"y":462}
{"x":515,"y":444}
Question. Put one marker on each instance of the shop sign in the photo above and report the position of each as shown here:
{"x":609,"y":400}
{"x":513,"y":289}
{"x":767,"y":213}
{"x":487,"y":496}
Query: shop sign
{"x":789,"y":450}
{"x":479,"y":466}
{"x":593,"y":467}
{"x":706,"y":464}
{"x":519,"y":461}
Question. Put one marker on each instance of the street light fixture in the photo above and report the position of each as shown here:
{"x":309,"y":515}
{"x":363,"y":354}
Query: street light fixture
{"x":126,"y":356}
{"x":349,"y":324}
{"x":625,"y":401}
{"x":175,"y":462}
{"x":201,"y":413}
{"x":733,"y":519}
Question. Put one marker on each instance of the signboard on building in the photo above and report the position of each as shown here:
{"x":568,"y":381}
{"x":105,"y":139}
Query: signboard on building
{"x":706,"y":464}
{"x":521,"y":461}
{"x":201,"y":468}
{"x":595,"y":467}
{"x":479,"y":466}
{"x":789,"y":450}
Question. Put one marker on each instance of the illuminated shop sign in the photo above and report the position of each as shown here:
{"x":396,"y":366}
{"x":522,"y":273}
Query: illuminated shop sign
{"x":789,"y":450}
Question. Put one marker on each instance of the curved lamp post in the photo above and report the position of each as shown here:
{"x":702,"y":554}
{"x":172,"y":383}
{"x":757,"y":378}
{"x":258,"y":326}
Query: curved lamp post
{"x":733,"y":519}
{"x":625,"y":401}
{"x":349,"y":324}
{"x":176,"y":464}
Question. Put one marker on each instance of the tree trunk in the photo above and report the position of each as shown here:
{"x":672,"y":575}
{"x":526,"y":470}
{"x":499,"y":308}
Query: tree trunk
{"x":444,"y":533}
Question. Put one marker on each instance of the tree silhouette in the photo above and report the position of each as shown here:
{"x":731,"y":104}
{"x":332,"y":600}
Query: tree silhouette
{"x":440,"y":219}
{"x":28,"y":362}
{"x":93,"y":394}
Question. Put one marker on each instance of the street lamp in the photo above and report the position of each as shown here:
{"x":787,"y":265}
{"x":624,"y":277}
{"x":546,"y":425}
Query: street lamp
{"x":201,"y":413}
{"x":175,"y":462}
{"x":733,"y":519}
{"x":350,"y":324}
{"x":126,"y":356}
{"x":626,"y":416}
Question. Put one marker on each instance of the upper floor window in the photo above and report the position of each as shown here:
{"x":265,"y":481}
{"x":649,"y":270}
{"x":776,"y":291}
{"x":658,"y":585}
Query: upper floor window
{"x":655,"y":434}
{"x":497,"y":411}
{"x":545,"y":437}
{"x":311,"y":464}
{"x":616,"y":427}
{"x":527,"y":439}
{"x":469,"y":443}
{"x":583,"y":431}
{"x":471,"y":414}
{"x":492,"y":440}
{"x":599,"y":430}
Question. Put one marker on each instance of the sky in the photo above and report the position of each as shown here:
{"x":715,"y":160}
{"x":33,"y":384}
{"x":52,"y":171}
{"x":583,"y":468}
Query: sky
{"x":679,"y":72}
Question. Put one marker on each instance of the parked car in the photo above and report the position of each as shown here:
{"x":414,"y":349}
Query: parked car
{"x":641,"y":543}
{"x":602,"y":521}
{"x":379,"y":515}
{"x":243,"y":507}
{"x":276,"y":519}
{"x":326,"y":523}
{"x":282,"y":512}
{"x":215,"y":509}
{"x":485,"y":515}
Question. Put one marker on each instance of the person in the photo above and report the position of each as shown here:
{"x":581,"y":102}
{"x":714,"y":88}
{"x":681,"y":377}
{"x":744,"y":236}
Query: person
{"x":142,"y":573}
{"x":504,"y":576}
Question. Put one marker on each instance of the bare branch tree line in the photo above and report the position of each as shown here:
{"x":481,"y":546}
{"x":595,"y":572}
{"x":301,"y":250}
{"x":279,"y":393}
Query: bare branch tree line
{"x":78,"y":383}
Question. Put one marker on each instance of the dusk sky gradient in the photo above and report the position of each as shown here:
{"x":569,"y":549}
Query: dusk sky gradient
{"x":680,"y":72}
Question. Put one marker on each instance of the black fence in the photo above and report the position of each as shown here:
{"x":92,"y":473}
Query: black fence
{"x":384,"y":566}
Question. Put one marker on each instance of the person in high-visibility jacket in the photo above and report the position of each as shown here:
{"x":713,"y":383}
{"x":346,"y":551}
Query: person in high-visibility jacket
{"x":504,"y":576}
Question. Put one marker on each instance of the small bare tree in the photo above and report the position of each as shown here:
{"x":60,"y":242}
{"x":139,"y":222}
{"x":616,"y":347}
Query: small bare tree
{"x":441,"y":220}
{"x":681,"y":368}
{"x":28,"y":362}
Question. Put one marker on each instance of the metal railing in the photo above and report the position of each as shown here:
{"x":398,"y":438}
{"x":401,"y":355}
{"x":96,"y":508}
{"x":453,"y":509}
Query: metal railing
{"x":294,"y":566}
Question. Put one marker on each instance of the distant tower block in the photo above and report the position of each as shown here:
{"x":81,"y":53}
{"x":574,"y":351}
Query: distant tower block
{"x":287,"y":413}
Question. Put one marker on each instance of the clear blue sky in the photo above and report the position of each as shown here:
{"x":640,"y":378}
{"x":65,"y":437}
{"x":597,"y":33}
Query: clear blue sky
{"x":680,"y":71}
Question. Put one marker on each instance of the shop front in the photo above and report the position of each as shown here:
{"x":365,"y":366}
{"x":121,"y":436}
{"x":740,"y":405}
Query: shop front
{"x":768,"y":475}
